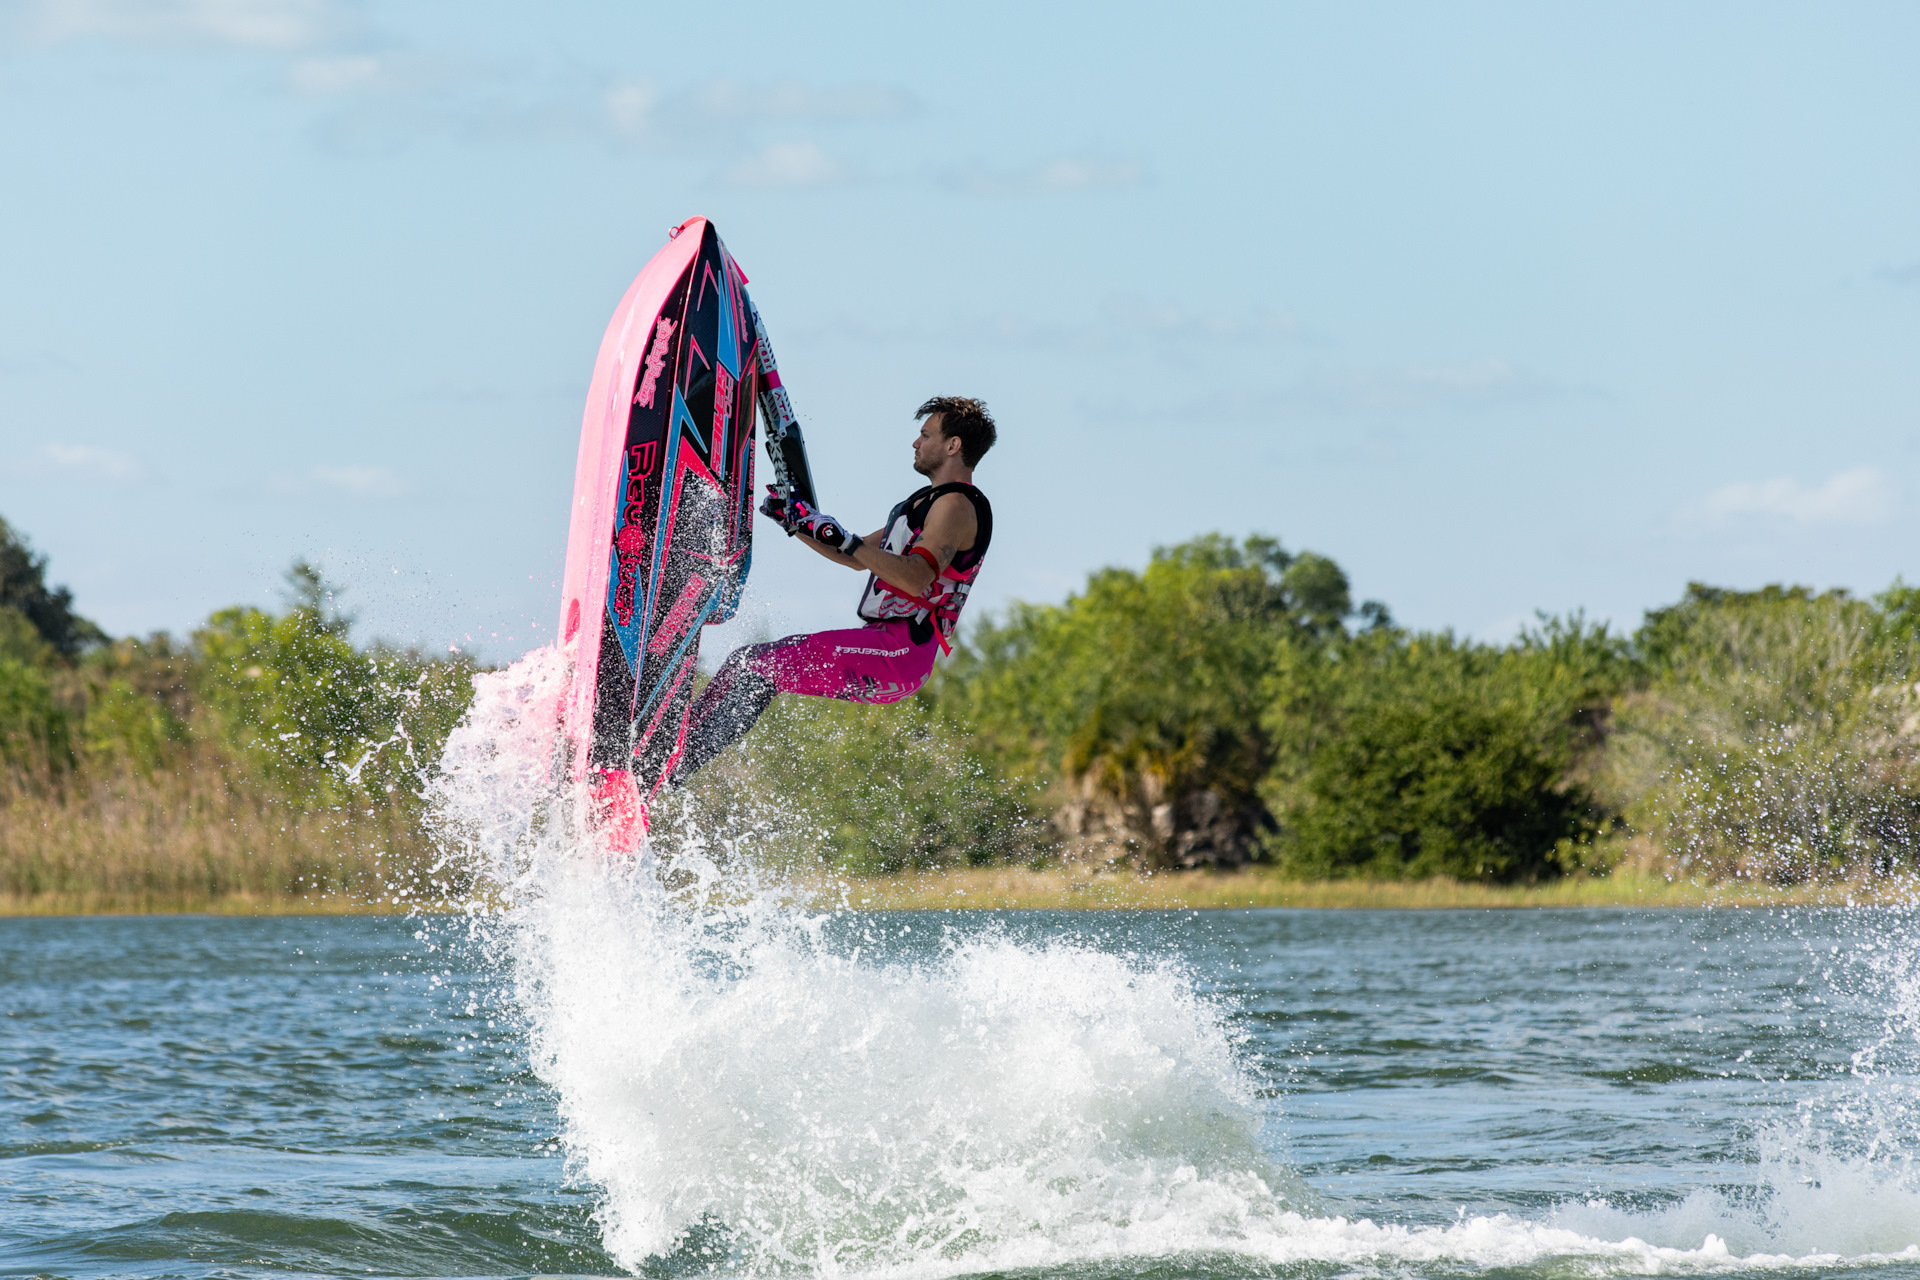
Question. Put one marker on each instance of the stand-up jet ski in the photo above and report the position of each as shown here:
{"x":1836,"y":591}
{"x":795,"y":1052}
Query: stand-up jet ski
{"x":661,"y":536}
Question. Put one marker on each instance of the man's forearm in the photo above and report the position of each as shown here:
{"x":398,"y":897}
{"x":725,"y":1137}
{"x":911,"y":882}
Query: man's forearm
{"x":910,"y":574}
{"x":950,"y":528}
{"x":838,"y":557}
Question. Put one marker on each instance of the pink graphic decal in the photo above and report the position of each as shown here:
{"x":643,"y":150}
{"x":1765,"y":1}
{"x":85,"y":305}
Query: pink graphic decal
{"x":573,"y":620}
{"x":722,"y":406}
{"x":656,"y":364}
{"x":677,"y":617}
{"x":639,"y":466}
{"x":631,"y":546}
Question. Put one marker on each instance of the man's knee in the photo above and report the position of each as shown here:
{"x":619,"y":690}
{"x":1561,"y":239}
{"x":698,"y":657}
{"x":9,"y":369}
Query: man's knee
{"x":737,"y":661}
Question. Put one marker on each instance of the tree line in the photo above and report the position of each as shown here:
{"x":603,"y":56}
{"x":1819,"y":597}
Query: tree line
{"x":1228,"y":703}
{"x":264,"y":755}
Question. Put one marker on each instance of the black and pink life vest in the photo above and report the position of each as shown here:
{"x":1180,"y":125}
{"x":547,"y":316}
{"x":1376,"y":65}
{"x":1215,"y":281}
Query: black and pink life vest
{"x":938,"y":611}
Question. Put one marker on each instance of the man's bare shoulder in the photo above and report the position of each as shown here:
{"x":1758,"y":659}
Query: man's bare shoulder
{"x":952,"y":502}
{"x":954,"y":510}
{"x":951,"y":525}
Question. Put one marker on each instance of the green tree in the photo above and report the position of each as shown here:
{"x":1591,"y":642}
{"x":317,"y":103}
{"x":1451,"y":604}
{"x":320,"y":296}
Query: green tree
{"x":865,"y":789}
{"x":290,"y":697}
{"x":1776,"y":735}
{"x":36,"y":734}
{"x":139,"y":708}
{"x":1138,"y":700}
{"x":23,"y":588}
{"x":1412,"y":756}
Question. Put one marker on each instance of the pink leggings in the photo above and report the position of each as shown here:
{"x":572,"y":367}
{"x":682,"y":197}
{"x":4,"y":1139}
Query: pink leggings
{"x":875,"y":663}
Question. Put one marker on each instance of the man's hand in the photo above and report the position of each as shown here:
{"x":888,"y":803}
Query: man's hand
{"x":823,"y":529}
{"x":774,"y":506}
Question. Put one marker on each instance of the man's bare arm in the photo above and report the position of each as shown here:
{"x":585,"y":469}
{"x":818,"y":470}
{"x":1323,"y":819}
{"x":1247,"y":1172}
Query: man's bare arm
{"x":840,"y":557}
{"x":950,"y":529}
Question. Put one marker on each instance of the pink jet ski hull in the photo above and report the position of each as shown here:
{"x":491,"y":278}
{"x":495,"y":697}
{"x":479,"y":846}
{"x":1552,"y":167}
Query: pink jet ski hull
{"x":661,"y":534}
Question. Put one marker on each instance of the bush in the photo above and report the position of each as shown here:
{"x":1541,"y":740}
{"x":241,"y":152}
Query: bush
{"x":863,"y":789}
{"x":49,"y":610}
{"x":301,"y":709}
{"x":35,"y":732}
{"x":1138,"y":701}
{"x":268,"y":758}
{"x":1414,"y":756}
{"x":1777,"y":735}
{"x":1224,"y":703}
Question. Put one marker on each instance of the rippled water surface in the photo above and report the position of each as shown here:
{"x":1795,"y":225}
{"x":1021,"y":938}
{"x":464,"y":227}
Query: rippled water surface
{"x":1227,"y":1093}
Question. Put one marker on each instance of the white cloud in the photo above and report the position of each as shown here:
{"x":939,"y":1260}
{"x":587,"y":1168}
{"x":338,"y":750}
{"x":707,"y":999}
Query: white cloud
{"x":251,"y":24}
{"x":637,"y":110}
{"x":90,"y":460}
{"x":1426,"y":385}
{"x":389,"y":98}
{"x":725,"y":99}
{"x":361,"y":482}
{"x":1061,"y":174}
{"x":1120,"y":324}
{"x":1863,"y":495}
{"x":1160,"y":322}
{"x":1486,"y":385}
{"x":630,"y":106}
{"x":1089,"y":173}
{"x":327,"y":77}
{"x":785,"y":164}
{"x":1468,"y":385}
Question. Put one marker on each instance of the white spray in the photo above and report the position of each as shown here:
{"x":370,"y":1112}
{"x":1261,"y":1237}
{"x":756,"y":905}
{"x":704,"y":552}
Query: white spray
{"x":752,"y":1086}
{"x":743,"y":1089}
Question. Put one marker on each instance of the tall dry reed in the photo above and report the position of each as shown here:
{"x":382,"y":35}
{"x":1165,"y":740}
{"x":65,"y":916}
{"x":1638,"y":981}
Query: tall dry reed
{"x":191,"y":836}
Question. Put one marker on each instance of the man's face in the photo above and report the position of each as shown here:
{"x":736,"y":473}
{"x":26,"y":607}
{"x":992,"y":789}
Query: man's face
{"x":930,"y":446}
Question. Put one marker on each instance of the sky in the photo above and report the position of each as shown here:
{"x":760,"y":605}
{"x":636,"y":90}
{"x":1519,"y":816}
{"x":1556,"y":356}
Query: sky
{"x":1505,"y":307}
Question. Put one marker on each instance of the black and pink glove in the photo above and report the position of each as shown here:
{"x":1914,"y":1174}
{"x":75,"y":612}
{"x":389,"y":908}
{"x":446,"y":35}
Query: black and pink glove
{"x":825,"y":530}
{"x":774,"y":507}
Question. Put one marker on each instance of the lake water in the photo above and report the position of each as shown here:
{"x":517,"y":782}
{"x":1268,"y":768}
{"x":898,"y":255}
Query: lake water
{"x":621,"y":1079}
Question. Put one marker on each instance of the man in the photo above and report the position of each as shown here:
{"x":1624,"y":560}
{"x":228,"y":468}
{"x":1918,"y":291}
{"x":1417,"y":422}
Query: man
{"x":919,"y":567}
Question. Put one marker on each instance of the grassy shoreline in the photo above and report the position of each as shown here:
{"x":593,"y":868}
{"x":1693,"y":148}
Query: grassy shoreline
{"x":187,"y":904}
{"x":1080,"y":889}
{"x":1074,"y":888}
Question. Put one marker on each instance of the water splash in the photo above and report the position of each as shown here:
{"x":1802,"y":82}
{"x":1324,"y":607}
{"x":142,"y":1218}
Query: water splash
{"x":752,"y":1086}
{"x":745,"y":1085}
{"x":1837,"y":1180}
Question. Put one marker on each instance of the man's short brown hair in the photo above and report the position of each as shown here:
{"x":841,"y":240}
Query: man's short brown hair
{"x":965,"y":418}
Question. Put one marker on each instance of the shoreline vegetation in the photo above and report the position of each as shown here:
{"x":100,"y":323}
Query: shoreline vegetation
{"x":1082,"y":889}
{"x":1224,"y":727}
{"x":1076,"y":889}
